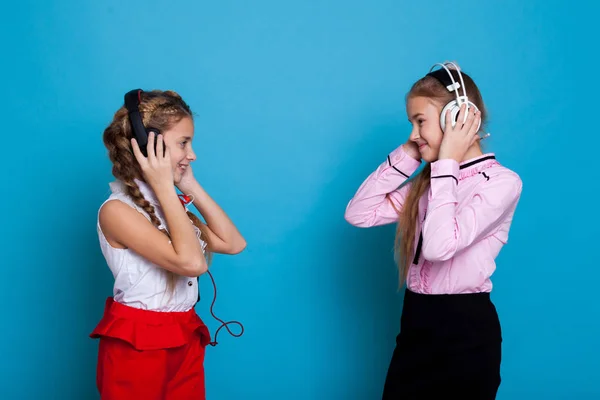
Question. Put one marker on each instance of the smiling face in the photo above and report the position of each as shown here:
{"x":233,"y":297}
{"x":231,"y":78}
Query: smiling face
{"x":178,"y":140}
{"x":424,"y":115}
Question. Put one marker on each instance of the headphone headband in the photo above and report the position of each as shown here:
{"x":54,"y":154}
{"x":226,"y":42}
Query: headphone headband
{"x":445,"y":77}
{"x":133,"y":99}
{"x":451,"y":84}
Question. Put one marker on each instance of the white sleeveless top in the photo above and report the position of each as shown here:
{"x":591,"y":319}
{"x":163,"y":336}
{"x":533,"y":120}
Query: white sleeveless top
{"x":140,"y":283}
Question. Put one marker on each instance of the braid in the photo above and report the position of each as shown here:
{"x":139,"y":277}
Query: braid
{"x":157,"y":107}
{"x":148,"y":109}
{"x":138,"y":198}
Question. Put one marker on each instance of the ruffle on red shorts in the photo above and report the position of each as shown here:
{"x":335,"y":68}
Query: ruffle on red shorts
{"x":150,"y":330}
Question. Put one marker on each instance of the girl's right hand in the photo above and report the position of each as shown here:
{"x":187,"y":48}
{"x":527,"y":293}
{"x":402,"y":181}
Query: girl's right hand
{"x":156,"y":168}
{"x":412,"y":149}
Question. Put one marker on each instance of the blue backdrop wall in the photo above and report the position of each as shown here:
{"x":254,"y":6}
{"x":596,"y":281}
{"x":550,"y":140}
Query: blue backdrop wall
{"x":296,"y":103}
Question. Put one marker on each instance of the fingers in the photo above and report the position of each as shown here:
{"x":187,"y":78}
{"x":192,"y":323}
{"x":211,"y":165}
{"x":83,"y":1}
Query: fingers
{"x":474,"y":139}
{"x":462,"y":114}
{"x":160,"y":146}
{"x":137,"y":152}
{"x":476,"y":123}
{"x":165,"y":153}
{"x":159,"y":152}
{"x":472,"y":121}
{"x":463,"y":111}
{"x":150,"y":147}
{"x":154,"y":154}
{"x":474,"y":129}
{"x":449,"y":121}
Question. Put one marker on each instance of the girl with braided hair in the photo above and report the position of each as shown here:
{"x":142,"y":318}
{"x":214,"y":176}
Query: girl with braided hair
{"x":152,"y":342}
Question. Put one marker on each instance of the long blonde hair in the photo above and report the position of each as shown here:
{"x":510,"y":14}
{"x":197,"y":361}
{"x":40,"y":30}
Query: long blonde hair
{"x":161,"y":110}
{"x":431,"y":88}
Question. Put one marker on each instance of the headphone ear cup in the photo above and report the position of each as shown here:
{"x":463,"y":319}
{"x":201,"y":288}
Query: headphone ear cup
{"x":144,"y":149}
{"x":454,"y":110}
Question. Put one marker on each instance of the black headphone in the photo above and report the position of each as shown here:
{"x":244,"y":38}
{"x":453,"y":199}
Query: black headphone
{"x":133,"y":99}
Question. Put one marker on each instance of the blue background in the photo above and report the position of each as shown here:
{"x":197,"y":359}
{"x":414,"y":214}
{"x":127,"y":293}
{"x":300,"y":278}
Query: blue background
{"x":297,"y":102}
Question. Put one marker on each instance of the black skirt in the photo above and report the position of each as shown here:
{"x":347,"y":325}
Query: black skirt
{"x":448,"y":346}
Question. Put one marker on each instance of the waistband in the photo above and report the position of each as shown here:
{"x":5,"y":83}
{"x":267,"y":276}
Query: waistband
{"x":442,"y":309}
{"x":148,"y":316}
{"x":459,"y":298}
{"x":149,"y":330}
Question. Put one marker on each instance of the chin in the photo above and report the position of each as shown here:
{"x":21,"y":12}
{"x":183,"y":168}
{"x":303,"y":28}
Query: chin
{"x":176,"y":177}
{"x":427,"y":156}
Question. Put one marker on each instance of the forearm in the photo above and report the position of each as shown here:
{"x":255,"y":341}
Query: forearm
{"x":182,"y":233}
{"x":378,"y":199}
{"x":216,"y":219}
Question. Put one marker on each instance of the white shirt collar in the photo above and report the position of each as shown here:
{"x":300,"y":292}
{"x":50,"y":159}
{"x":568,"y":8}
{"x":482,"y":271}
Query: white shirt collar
{"x":119,"y":186}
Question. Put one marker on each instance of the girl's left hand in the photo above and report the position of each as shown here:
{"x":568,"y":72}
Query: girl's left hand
{"x":459,"y":138}
{"x":187,"y":181}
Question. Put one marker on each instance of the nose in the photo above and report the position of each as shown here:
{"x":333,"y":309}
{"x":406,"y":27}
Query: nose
{"x":191,"y":155}
{"x":414,"y":134}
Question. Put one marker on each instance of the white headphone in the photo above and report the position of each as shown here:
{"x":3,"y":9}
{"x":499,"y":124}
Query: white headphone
{"x":453,"y":86}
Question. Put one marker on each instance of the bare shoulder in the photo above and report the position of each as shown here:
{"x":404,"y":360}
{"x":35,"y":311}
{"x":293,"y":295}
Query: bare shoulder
{"x":116,"y":208}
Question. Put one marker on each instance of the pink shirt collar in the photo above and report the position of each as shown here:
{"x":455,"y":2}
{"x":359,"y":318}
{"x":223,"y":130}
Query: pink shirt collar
{"x":476,"y":165}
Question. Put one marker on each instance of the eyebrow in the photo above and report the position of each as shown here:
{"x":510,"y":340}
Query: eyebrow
{"x":415,"y":116}
{"x":185,"y":137}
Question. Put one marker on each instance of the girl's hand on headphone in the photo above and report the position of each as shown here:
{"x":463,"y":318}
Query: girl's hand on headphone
{"x":156,"y":168}
{"x":458,"y":139}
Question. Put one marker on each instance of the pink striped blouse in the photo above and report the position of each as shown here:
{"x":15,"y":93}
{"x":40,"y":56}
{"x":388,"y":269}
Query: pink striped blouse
{"x":464,"y":218}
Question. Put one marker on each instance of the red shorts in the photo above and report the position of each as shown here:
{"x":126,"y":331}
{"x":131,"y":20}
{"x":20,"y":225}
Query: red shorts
{"x":150,"y":355}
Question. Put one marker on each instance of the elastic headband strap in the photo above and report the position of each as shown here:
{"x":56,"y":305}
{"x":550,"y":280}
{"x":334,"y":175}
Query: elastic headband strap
{"x":442,"y":76}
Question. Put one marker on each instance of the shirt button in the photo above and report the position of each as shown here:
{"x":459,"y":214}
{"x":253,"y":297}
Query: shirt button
{"x":190,"y":283}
